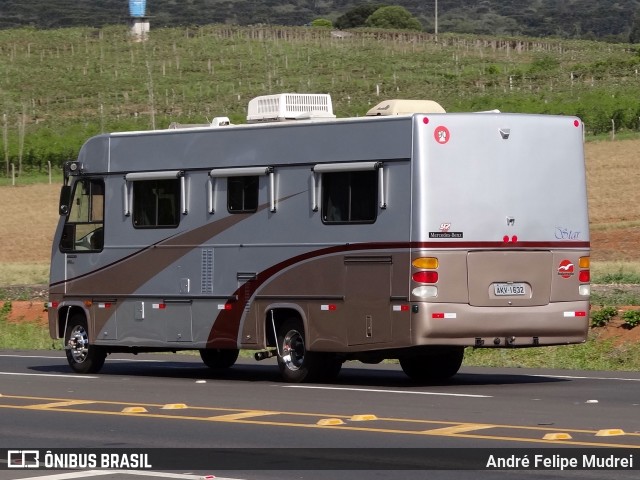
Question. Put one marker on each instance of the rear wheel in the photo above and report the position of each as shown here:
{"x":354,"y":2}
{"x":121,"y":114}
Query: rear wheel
{"x":296,"y":363}
{"x":81,"y":355}
{"x":433,"y":364}
{"x":218,"y":358}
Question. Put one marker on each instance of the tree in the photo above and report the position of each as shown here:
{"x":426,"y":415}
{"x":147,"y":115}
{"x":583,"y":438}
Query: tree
{"x":634,"y":35}
{"x":394,"y":17}
{"x":356,"y":17}
{"x":322,"y":23}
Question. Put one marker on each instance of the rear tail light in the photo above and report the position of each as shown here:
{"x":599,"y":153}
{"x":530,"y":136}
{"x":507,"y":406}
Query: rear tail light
{"x":425,"y":274}
{"x":584,"y":276}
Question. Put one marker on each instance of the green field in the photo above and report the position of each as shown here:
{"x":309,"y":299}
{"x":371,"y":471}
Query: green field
{"x":61,"y":86}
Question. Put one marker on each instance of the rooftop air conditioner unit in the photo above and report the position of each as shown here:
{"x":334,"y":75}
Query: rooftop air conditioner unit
{"x":289,"y":106}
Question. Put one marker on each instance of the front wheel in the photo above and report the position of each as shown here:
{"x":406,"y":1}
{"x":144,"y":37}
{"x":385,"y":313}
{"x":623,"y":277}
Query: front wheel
{"x":81,"y":355}
{"x":432,"y":364}
{"x":296,"y":363}
{"x":217,"y":358}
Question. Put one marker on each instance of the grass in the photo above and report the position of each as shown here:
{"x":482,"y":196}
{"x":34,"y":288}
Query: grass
{"x":24,"y":274}
{"x":24,"y":335}
{"x":615,"y":273}
{"x":615,"y":297}
{"x":72,"y":83}
{"x":595,"y":354}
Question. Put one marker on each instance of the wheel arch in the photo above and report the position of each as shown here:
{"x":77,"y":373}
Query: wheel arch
{"x":66,"y":311}
{"x":279,"y":313}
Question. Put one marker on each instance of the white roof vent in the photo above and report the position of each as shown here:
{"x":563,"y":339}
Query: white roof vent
{"x":289,"y":106}
{"x":404,"y":107}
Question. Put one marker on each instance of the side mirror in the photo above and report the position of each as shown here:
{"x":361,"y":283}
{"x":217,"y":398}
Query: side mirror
{"x":65,"y":199}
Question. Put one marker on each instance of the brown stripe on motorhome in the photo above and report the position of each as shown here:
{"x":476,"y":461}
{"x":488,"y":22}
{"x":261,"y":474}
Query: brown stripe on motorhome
{"x":225,"y":330}
{"x":127,"y":275}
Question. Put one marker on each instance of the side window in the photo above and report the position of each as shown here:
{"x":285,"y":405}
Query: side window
{"x":349,"y":197}
{"x":156,"y":203}
{"x":242,"y":194}
{"x":84,"y":226}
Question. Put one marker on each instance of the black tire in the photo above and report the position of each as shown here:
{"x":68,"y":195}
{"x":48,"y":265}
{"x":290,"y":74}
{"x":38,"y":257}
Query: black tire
{"x":217,"y":358}
{"x":299,"y":365}
{"x":81,"y":355}
{"x":434,"y":364}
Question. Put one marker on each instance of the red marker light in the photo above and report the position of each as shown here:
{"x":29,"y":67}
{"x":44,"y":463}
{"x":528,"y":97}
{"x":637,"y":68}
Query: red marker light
{"x":576,"y":123}
{"x":425,"y":277}
{"x":505,"y":239}
{"x":227,"y":306}
{"x":581,"y":314}
{"x":514,"y":239}
{"x":425,"y":120}
{"x":437,"y":315}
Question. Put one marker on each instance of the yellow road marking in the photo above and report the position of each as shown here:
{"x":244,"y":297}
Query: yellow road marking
{"x":457,"y":429}
{"x":241,"y":416}
{"x":45,"y":406}
{"x":465,"y":427}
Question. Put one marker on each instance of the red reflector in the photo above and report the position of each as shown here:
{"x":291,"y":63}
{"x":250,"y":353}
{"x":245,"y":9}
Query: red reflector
{"x":162,"y":306}
{"x":425,"y":120}
{"x":437,"y":315}
{"x":55,"y":304}
{"x":584,"y":275}
{"x":576,"y":123}
{"x":427,"y":276}
{"x":404,"y":308}
{"x":332,"y":308}
{"x":227,"y":306}
{"x":107,"y":305}
{"x":514,"y":239}
{"x":505,"y":239}
{"x":581,"y":314}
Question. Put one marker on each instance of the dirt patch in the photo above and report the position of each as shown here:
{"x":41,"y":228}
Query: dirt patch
{"x":27,"y":311}
{"x":617,"y":245}
{"x":617,"y":331}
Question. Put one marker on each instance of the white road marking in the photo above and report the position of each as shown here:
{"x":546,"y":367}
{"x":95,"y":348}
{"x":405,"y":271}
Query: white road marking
{"x":47,"y":375}
{"x":64,"y":358}
{"x":373,"y":390}
{"x":574,"y":377}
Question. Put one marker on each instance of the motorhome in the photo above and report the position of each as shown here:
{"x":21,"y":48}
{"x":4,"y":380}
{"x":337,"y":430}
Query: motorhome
{"x":408,"y":233}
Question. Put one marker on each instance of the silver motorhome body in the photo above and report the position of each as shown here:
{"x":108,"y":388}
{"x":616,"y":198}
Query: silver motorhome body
{"x":407,"y":236}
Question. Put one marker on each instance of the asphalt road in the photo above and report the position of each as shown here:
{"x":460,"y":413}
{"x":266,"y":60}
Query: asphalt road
{"x":175,"y":404}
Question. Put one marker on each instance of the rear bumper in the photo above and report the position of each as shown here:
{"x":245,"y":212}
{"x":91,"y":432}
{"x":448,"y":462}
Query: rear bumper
{"x":459,"y":324}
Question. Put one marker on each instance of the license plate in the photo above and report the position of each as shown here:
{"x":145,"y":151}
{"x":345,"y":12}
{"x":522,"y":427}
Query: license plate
{"x":508,"y":289}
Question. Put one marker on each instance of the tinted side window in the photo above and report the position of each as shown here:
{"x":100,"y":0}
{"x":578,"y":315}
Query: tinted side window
{"x":349,"y":197}
{"x":156,"y":203}
{"x":242,"y":194}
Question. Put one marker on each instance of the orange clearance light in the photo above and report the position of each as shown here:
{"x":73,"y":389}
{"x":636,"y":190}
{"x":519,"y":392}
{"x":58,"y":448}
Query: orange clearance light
{"x":88,"y":303}
{"x":425,"y":262}
{"x":584,"y":276}
{"x":584,"y":262}
{"x":425,"y":277}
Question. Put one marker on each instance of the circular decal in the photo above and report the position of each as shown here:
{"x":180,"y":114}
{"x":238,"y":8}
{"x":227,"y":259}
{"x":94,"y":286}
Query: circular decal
{"x":441,"y":134}
{"x":565,"y":269}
